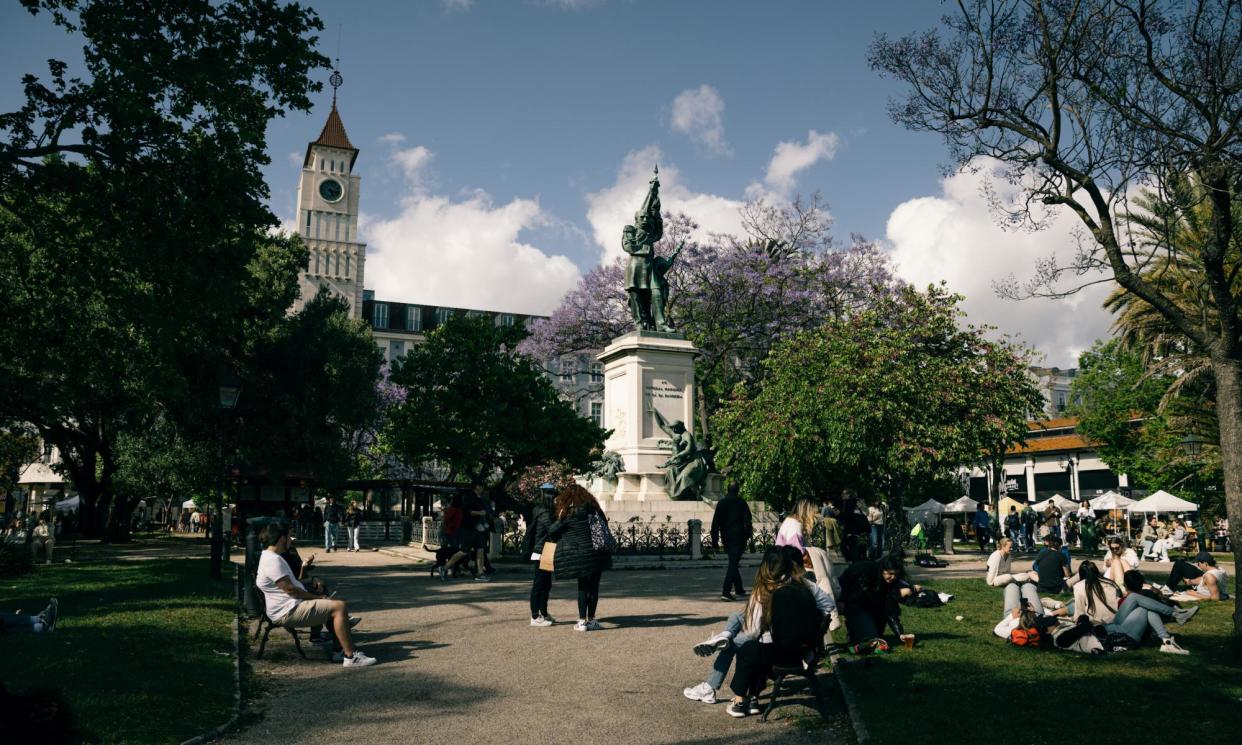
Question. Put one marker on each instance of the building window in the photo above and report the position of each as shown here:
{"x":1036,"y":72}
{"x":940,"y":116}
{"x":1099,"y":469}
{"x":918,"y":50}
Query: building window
{"x":346,"y":266}
{"x":308,"y":218}
{"x":475,"y":314}
{"x":597,"y":372}
{"x":506,"y":319}
{"x":316,"y":262}
{"x":414,"y":318}
{"x":318,"y":223}
{"x":321,"y":164}
{"x":396,"y":350}
{"x":443,"y":315}
{"x":379,"y":316}
{"x":47,"y":452}
{"x":597,"y":413}
{"x":568,"y":369}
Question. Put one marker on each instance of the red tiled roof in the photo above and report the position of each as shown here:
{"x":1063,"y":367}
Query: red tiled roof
{"x":1051,"y":444}
{"x":1057,"y":423}
{"x":333,"y":135}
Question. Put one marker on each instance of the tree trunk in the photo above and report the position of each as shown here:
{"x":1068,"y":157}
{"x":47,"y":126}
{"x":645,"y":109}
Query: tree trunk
{"x":1229,"y":413}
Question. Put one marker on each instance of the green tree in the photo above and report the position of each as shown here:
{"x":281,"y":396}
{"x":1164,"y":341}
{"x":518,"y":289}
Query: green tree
{"x":1118,"y":400}
{"x":309,"y":390}
{"x":482,"y":411}
{"x":1080,"y":103}
{"x":888,"y":400}
{"x":19,"y":445}
{"x":132,"y":212}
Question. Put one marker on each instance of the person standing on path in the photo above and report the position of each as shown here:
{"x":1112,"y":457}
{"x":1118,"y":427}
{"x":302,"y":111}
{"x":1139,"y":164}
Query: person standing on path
{"x":983,"y":527}
{"x":353,"y":525}
{"x":875,"y":518}
{"x":732,"y":522}
{"x":576,"y":555}
{"x":536,"y":535}
{"x":473,"y":536}
{"x":331,"y":518}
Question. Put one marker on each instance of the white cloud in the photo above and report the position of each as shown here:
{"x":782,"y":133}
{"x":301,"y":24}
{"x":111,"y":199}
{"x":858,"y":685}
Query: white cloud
{"x":613,"y":207}
{"x":296,"y":159}
{"x":457,"y":5}
{"x":698,"y":113}
{"x":413,"y":162}
{"x":790,"y":159}
{"x":955,"y":237}
{"x":464,"y":252}
{"x":392,"y":138}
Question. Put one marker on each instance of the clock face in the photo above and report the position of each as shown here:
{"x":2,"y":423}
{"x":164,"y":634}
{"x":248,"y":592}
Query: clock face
{"x":331,"y":190}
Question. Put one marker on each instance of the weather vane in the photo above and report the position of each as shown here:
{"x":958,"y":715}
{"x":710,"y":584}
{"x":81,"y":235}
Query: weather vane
{"x":335,"y":80}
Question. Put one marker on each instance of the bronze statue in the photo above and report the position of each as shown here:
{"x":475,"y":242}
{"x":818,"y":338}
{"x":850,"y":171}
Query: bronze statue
{"x":638,"y":240}
{"x":686,"y":470}
{"x":659,"y":287}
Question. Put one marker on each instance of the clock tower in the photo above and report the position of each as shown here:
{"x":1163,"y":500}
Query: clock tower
{"x":328,"y":215}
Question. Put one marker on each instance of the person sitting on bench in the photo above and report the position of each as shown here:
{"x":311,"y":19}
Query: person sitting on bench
{"x":288,"y":602}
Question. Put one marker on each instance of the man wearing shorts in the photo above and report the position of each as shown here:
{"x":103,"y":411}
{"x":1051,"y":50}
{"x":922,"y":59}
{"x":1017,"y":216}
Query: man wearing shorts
{"x":289,"y":603}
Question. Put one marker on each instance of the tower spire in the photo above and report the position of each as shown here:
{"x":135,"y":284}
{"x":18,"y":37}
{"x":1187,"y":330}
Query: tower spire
{"x":335,"y":80}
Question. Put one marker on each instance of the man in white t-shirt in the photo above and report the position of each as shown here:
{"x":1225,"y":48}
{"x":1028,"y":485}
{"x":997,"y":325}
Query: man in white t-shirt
{"x":289,"y":603}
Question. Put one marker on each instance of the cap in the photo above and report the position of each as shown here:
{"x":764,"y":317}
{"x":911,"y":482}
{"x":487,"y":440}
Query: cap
{"x":547,"y":486}
{"x":1203,"y":557}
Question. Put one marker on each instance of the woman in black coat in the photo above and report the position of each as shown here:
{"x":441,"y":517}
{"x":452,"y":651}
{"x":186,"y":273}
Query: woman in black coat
{"x":576,"y":556}
{"x":536,"y":535}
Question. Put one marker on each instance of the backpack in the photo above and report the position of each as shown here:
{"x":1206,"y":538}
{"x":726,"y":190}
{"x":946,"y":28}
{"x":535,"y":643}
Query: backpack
{"x":926,"y":598}
{"x":927,"y":560}
{"x":1021,"y":637}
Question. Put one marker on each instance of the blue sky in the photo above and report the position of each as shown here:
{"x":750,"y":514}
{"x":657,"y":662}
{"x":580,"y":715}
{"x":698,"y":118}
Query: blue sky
{"x":507,"y":137}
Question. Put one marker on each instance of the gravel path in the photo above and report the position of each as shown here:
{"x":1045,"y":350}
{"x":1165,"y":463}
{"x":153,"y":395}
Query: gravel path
{"x":458,"y":663}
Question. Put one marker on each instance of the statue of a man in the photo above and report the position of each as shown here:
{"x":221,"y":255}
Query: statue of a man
{"x":638,"y":277}
{"x":638,"y":240}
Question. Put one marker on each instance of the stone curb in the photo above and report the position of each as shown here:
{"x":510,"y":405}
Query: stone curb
{"x":861,"y":736}
{"x":218,"y":732}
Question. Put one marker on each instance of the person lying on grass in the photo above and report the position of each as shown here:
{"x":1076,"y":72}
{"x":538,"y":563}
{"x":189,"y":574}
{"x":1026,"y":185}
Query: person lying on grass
{"x":725,"y":643}
{"x":1212,"y":584}
{"x":871,"y":600}
{"x":1138,"y":612}
{"x":19,"y":622}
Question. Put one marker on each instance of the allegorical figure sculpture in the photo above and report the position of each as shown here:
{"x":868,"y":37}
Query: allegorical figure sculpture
{"x":645,"y":281}
{"x":686,"y":470}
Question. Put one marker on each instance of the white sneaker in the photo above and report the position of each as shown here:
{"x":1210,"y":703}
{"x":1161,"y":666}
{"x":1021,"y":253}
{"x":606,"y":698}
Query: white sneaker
{"x":701,"y":692}
{"x":835,"y":622}
{"x":593,"y":625}
{"x":1169,"y":646}
{"x":540,"y":622}
{"x":1182,"y":615}
{"x":580,"y":626}
{"x":549,"y":619}
{"x":1166,"y":560}
{"x":717,"y":642}
{"x":358,"y":660}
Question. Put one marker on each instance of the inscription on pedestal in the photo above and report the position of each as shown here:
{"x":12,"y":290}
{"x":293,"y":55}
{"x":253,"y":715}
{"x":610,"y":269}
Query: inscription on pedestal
{"x":665,"y":396}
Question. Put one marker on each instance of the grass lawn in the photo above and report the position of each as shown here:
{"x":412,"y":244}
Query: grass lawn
{"x":964,"y":685}
{"x":141,"y":651}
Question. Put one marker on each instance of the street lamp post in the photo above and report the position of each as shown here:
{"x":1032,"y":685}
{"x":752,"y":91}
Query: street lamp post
{"x":1192,"y":445}
{"x":230,"y":391}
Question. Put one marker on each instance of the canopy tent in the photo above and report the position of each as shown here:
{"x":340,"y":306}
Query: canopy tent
{"x":918,"y":512}
{"x":1057,"y":500}
{"x":965,"y":504}
{"x":1162,"y":501}
{"x":1110,"y":500}
{"x":188,"y":504}
{"x":1003,"y":506}
{"x":68,"y":505}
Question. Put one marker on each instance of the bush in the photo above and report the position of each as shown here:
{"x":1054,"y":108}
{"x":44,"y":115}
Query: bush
{"x":14,"y":560}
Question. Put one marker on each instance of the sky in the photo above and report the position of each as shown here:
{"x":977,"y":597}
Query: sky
{"x":504,"y":143}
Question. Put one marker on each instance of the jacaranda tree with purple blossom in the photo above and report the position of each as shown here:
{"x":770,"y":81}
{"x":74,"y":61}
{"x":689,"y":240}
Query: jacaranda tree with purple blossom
{"x":733,"y":296}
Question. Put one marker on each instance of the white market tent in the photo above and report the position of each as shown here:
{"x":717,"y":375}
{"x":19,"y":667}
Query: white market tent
{"x":965,"y":504}
{"x":1057,"y":500}
{"x":68,"y":505}
{"x":1162,"y":501}
{"x":1111,"y":500}
{"x":188,"y":504}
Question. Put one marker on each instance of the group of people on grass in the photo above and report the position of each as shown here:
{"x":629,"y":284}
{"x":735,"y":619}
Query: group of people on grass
{"x":1113,"y":605}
